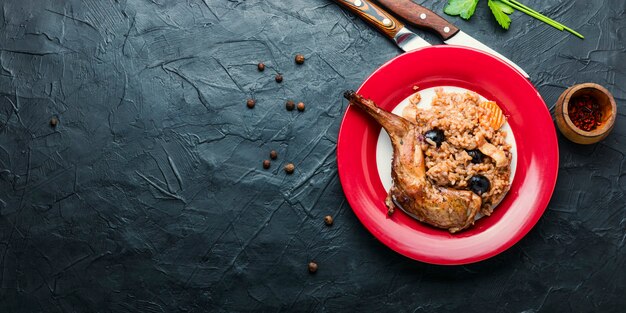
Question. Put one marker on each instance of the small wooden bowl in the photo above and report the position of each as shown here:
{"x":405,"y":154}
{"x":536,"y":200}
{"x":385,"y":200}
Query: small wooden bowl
{"x":607,"y":104}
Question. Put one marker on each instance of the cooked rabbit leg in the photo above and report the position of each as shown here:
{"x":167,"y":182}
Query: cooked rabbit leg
{"x":412,"y":192}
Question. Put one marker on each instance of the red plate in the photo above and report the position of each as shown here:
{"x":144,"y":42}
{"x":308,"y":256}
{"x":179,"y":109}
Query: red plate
{"x":537,"y":150}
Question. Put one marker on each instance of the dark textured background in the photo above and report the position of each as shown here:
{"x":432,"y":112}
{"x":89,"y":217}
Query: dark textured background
{"x":150,"y":197}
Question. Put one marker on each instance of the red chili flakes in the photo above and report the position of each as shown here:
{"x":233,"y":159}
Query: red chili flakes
{"x":585,"y":113}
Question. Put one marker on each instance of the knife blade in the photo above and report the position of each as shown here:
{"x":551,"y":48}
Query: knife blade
{"x":385,"y":23}
{"x":419,"y":16}
{"x":463,"y":39}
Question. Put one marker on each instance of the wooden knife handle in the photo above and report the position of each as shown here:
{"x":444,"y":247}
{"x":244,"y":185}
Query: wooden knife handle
{"x":383,"y":21}
{"x":419,"y":16}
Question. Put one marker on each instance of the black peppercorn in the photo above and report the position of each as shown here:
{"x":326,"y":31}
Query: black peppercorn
{"x":312,"y":267}
{"x":54,"y":122}
{"x":299,"y":58}
{"x":290,"y":105}
{"x":300,"y":106}
{"x":328,"y":220}
{"x":266,"y":164}
{"x":273,"y":154}
{"x":279,"y":78}
{"x":261,"y":67}
{"x":289,"y":168}
{"x":250,"y":103}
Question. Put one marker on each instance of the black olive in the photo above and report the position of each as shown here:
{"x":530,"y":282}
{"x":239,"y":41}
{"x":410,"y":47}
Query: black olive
{"x":435,"y":135}
{"x":479,"y":184}
{"x":477,"y":156}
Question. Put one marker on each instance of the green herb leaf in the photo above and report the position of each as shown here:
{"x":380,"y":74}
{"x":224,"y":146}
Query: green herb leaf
{"x":504,"y":7}
{"x":464,"y":8}
{"x":500,"y":11}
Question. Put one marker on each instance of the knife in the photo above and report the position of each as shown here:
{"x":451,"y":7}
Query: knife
{"x":385,"y":23}
{"x":419,"y":16}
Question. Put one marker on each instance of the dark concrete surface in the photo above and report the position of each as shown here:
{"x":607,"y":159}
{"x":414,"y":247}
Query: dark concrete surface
{"x":149,"y":195}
